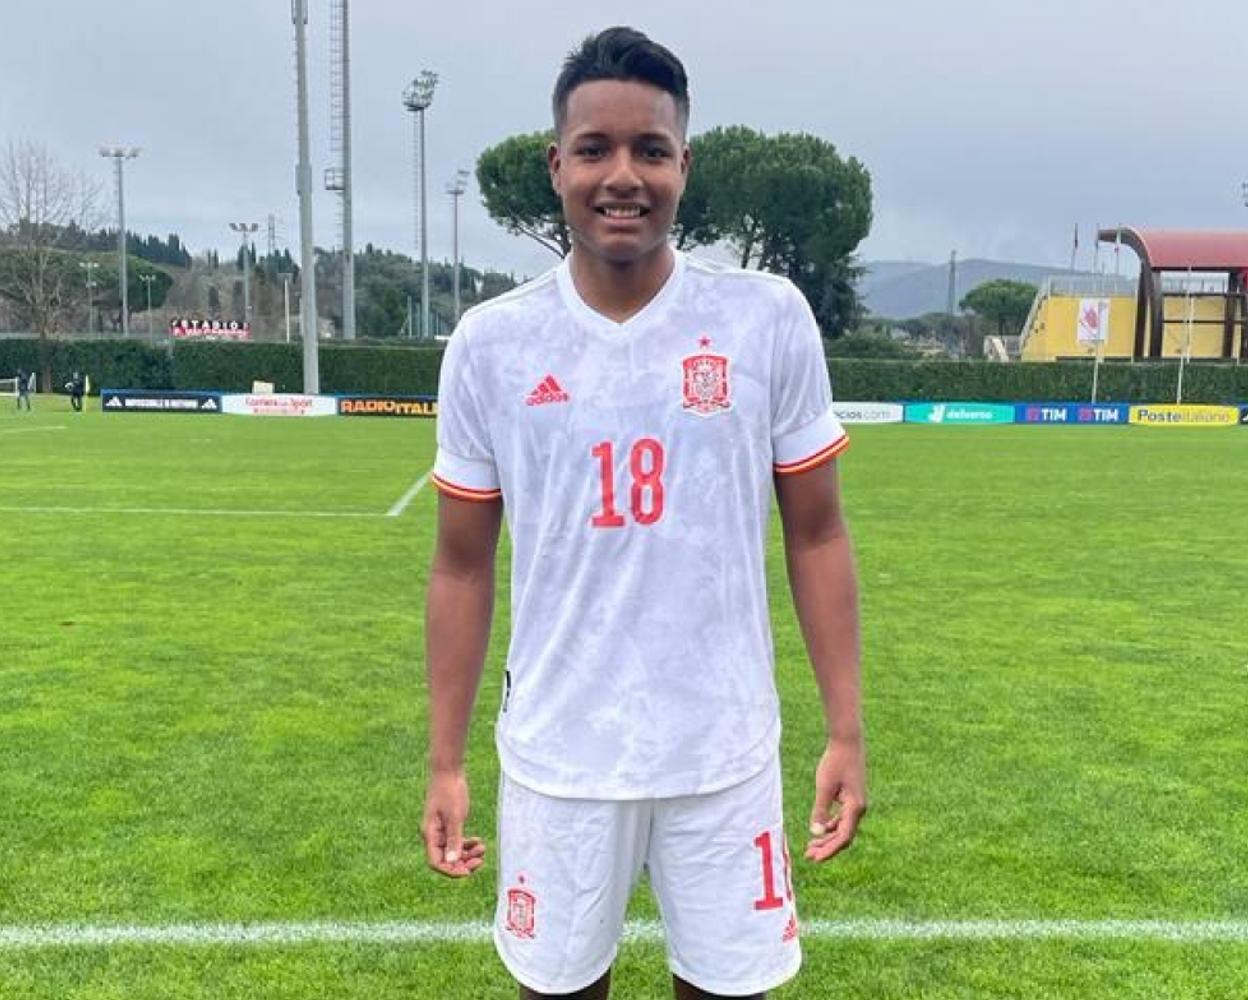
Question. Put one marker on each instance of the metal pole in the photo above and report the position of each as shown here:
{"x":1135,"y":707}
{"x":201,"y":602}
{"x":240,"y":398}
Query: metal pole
{"x":286,"y":301}
{"x":348,"y":248}
{"x":307,"y":272}
{"x":119,"y":154}
{"x":455,"y":189}
{"x":147,"y":280}
{"x":1187,"y":340}
{"x":424,"y":240}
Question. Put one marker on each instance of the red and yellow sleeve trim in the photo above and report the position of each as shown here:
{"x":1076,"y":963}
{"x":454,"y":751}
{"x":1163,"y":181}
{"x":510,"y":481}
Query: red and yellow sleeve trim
{"x":464,"y":492}
{"x":813,"y":461}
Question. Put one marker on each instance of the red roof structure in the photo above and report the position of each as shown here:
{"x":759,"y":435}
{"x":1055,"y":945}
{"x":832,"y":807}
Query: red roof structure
{"x":1204,"y":250}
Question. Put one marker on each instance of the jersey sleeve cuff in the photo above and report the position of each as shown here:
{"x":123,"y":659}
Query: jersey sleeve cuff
{"x":465,"y":478}
{"x":810,"y":446}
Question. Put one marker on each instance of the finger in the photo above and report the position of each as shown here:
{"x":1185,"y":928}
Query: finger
{"x":821,"y":816}
{"x":454,"y":841}
{"x":474,"y":847}
{"x":435,"y":838}
{"x":839,"y":836}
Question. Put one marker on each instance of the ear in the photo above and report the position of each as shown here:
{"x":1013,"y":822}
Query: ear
{"x":553,"y":162}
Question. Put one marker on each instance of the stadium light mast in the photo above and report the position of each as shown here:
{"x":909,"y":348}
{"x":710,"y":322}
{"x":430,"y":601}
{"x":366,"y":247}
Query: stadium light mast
{"x":90,"y":266}
{"x":455,"y":189}
{"x":245,"y":229}
{"x":338,"y":177}
{"x":303,"y":183}
{"x":119,"y":155}
{"x":417,"y":98}
{"x":147,"y":280}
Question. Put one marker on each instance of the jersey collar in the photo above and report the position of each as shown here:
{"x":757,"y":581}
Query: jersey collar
{"x":595,"y":320}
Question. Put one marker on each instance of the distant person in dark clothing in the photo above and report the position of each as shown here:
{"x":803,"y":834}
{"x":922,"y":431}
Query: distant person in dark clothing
{"x":23,"y":388}
{"x":76,"y":386}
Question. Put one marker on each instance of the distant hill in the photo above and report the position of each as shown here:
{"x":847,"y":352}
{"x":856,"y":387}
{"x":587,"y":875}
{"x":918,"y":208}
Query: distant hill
{"x":902,"y":289}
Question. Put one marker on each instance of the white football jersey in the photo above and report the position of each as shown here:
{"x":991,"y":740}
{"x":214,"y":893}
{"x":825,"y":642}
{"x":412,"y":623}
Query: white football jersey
{"x":635,"y":462}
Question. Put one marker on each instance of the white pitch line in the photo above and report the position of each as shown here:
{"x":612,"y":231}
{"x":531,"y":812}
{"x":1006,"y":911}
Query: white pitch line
{"x":31,"y":430}
{"x":401,"y":504}
{"x":647,"y":931}
{"x":187,"y":511}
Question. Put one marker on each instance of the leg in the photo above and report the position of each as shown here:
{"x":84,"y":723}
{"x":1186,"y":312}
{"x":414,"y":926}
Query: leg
{"x":687,"y":991}
{"x":566,"y":869}
{"x":720,"y":870}
{"x":595,"y":991}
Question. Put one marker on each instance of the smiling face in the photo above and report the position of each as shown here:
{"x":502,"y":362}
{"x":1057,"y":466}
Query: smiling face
{"x":619,"y":166}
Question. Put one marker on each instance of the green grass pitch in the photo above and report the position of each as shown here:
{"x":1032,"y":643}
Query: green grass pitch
{"x":212,"y":711}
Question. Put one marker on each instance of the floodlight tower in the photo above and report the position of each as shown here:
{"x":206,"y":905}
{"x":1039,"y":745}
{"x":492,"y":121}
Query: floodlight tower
{"x":245,"y":229}
{"x":417,"y":98}
{"x":338,"y":177}
{"x":307,"y":269}
{"x":456,"y":189}
{"x":90,"y":266}
{"x":119,"y":155}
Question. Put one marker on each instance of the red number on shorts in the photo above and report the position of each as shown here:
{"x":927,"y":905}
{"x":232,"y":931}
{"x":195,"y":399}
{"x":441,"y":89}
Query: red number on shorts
{"x":645,"y":462}
{"x":769,"y":900}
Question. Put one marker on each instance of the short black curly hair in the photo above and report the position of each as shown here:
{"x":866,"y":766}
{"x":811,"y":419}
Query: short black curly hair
{"x":621,"y":54}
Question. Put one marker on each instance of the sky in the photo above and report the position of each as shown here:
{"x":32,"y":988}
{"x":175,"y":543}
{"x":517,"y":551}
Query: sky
{"x":989,"y":127}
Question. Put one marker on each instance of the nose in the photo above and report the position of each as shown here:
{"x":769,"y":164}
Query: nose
{"x":621,"y":173}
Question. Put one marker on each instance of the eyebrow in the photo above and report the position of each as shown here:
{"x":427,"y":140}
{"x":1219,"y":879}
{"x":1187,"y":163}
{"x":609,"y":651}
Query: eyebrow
{"x":644,"y":137}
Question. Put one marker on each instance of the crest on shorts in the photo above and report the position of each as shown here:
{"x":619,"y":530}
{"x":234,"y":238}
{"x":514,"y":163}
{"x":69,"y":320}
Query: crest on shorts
{"x":706,"y":390}
{"x":521,"y":913}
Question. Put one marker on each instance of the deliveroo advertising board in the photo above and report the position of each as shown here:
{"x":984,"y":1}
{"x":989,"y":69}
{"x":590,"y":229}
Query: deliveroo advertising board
{"x":959,"y":413}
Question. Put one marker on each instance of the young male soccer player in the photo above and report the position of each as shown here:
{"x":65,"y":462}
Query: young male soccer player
{"x":629,"y":413}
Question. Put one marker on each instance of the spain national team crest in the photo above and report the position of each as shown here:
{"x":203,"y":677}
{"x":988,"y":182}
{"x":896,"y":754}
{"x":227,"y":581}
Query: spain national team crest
{"x":521,"y":913}
{"x":706,"y":388}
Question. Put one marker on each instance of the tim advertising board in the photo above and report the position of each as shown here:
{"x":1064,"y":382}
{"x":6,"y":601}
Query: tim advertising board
{"x":1162,"y":415}
{"x":279,"y":404}
{"x":1074,"y":414}
{"x":144,"y":401}
{"x":388,"y":406}
{"x":869,"y":413}
{"x":959,"y":413}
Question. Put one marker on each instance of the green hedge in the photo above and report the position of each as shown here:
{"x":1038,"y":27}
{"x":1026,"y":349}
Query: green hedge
{"x":987,"y":381}
{"x":132,"y":364}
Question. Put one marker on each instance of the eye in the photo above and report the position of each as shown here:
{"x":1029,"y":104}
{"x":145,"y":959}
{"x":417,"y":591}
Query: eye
{"x":657,"y":152}
{"x":590,"y":150}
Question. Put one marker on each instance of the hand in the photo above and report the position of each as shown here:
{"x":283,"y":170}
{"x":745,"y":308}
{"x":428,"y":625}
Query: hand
{"x":841,"y":777}
{"x":446,"y":807}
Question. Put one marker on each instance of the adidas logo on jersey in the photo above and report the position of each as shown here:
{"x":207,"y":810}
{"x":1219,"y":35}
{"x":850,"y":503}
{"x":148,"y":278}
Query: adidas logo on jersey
{"x":790,"y":930}
{"x":547,"y":391}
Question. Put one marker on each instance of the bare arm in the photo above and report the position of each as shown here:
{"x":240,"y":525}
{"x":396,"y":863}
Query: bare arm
{"x":457,"y":633}
{"x":820,"y":564}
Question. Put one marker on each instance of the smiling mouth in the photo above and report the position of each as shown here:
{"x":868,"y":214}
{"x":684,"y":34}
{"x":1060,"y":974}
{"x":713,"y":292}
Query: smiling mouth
{"x":622,"y":212}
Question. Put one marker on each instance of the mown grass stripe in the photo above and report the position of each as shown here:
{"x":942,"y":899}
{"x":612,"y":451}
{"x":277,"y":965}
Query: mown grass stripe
{"x":187,"y":511}
{"x":429,"y":932}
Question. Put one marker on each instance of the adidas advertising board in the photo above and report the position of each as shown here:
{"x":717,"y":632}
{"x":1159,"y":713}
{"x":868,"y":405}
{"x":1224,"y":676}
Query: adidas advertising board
{"x":959,"y":413}
{"x":1162,"y":415}
{"x":146,"y":401}
{"x":869,"y":413}
{"x":279,"y":404}
{"x":1073,"y":414}
{"x":387,"y":406}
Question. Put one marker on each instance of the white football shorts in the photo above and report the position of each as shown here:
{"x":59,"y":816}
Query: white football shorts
{"x":718,"y":865}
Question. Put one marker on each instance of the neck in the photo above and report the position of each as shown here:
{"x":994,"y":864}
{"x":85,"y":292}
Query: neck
{"x":620,"y":290}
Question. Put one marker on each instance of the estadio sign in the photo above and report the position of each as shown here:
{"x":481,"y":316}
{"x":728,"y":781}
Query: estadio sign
{"x":279,"y":404}
{"x":1074,"y":414}
{"x":1162,"y":415}
{"x":184,"y":328}
{"x":869,"y":413}
{"x":959,"y":413}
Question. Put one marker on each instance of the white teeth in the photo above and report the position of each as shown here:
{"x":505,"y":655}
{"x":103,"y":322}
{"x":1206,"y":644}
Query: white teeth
{"x":622,"y":213}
